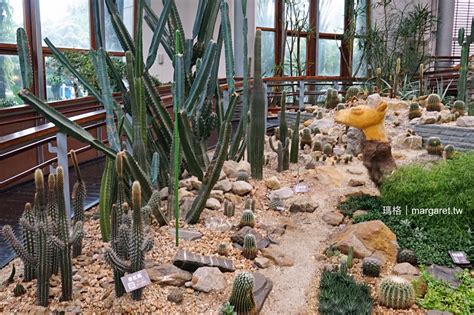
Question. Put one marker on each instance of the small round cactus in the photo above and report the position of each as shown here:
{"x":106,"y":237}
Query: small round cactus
{"x":249,"y":250}
{"x":340,"y":106}
{"x":242,"y":294}
{"x":315,"y":130}
{"x":247,"y":219}
{"x":310,"y":165}
{"x":19,"y":290}
{"x":371,"y":267}
{"x":276,"y":203}
{"x":396,"y":292}
{"x":327,"y":149}
{"x":414,"y":111}
{"x":223,"y":249}
{"x":408,"y":256}
{"x":332,"y":98}
{"x":353,"y":91}
{"x":249,"y":204}
{"x":318,"y":146}
{"x":459,"y":107}
{"x":306,"y":138}
{"x":243,"y":175}
{"x":434,"y":146}
{"x":229,"y":209}
{"x":449,"y":151}
{"x":319,"y":115}
{"x":433,"y":103}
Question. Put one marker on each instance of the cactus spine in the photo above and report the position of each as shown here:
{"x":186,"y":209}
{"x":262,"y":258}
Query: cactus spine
{"x":250,"y":247}
{"x":242,"y":294}
{"x":396,"y":292}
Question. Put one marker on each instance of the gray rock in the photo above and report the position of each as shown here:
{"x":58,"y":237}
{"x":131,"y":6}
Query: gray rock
{"x":261,"y":289}
{"x":225,"y":185}
{"x":217,"y":194}
{"x":262,"y":262}
{"x":168,"y":274}
{"x":304,"y":204}
{"x":238,"y":237}
{"x":333,"y":218}
{"x":277,"y":256}
{"x":213,"y":204}
{"x":217,"y":224}
{"x":176,"y":295}
{"x":207,"y":279}
{"x":465,"y":121}
{"x":373,"y":100}
{"x":283,"y":193}
{"x":354,"y":141}
{"x":195,"y":182}
{"x":241,"y":188}
{"x":445,"y":274}
{"x":186,"y":183}
{"x":405,"y":269}
{"x":164,"y":193}
{"x":187,"y":235}
{"x":191,"y":262}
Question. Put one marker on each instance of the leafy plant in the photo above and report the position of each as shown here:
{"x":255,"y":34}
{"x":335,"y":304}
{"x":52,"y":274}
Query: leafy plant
{"x":361,"y":202}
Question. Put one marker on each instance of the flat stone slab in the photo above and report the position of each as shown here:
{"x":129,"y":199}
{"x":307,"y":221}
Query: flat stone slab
{"x":261,"y":289}
{"x":445,"y":274}
{"x":187,"y":235}
{"x":191,"y":262}
{"x":168,"y":274}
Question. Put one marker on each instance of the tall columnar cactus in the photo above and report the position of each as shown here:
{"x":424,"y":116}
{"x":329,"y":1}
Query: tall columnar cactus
{"x":229,"y":208}
{"x":465,"y":42}
{"x":332,"y":98}
{"x":470,"y":108}
{"x":396,"y":292}
{"x":249,"y":250}
{"x":295,"y":139}
{"x":242,"y":294}
{"x":283,"y":146}
{"x":78,"y":202}
{"x":25,"y":58}
{"x":378,"y":79}
{"x":257,"y":112}
{"x":137,"y":244}
{"x":421,"y":80}
{"x":396,"y":78}
{"x":28,"y":237}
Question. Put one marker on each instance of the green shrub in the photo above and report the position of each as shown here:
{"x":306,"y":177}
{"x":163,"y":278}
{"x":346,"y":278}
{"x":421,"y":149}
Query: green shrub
{"x":361,"y":202}
{"x":340,"y":294}
{"x":441,"y":296}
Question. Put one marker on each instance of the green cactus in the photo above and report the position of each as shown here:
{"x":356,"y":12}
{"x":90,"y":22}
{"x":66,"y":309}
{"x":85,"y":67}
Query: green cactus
{"x":350,"y":257}
{"x":249,"y":250}
{"x":138,"y":245}
{"x":371,"y":267}
{"x":343,"y":267}
{"x":396,"y":78}
{"x":327,"y":149}
{"x":19,"y":290}
{"x":414,"y":111}
{"x":396,"y":292}
{"x":78,"y":202}
{"x":25,"y":58}
{"x":306,"y":138}
{"x":318,"y":146}
{"x":276,"y":203}
{"x":407,"y":255}
{"x":247,"y":219}
{"x":242,"y":294}
{"x":257,"y":111}
{"x":332,"y":98}
{"x":459,"y":107}
{"x":470,"y":108}
{"x":465,"y":42}
{"x":28,"y":237}
{"x":421,"y":80}
{"x":433,"y":103}
{"x":229,"y":209}
{"x":353,"y":91}
{"x":295,"y":139}
{"x":434,"y":146}
{"x":282,"y":152}
{"x":243,"y":175}
{"x":319,"y":115}
{"x":249,"y":204}
{"x":449,"y":151}
{"x":223,"y":249}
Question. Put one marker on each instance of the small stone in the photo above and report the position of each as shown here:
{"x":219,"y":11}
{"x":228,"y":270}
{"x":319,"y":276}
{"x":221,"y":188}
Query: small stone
{"x":429,"y":118}
{"x":176,"y":296}
{"x":195,"y":182}
{"x":333,"y":218}
{"x":272,"y":183}
{"x":241,"y":188}
{"x":356,"y":183}
{"x":230,"y":168}
{"x":282,"y":193}
{"x":168,"y":274}
{"x":225,"y":185}
{"x":186,"y":183}
{"x":373,"y":100}
{"x":359,"y":213}
{"x":304,"y":204}
{"x":233,"y":198}
{"x":164,"y":193}
{"x":278,"y":256}
{"x":187,"y":235}
{"x":405,"y":269}
{"x":207,"y":279}
{"x":217,"y":194}
{"x":262,"y":262}
{"x":465,"y":121}
{"x":213,"y":204}
{"x":445,"y":274}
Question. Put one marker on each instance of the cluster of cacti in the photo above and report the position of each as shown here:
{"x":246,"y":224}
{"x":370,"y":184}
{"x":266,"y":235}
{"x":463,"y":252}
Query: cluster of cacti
{"x":243,"y":175}
{"x":353,"y":92}
{"x":247,"y":219}
{"x":340,"y":294}
{"x":434,"y":146}
{"x":332,"y":98}
{"x":371,"y":267}
{"x":283,"y":147}
{"x":459,"y":107}
{"x":348,"y":158}
{"x":47,"y":242}
{"x":414,"y":111}
{"x":249,"y":249}
{"x":433,"y":103}
{"x":276,"y":203}
{"x":19,"y":290}
{"x":465,"y":42}
{"x":449,"y":151}
{"x":229,"y":208}
{"x":249,"y":204}
{"x":407,"y":255}
{"x":396,"y":292}
{"x":242,"y":298}
{"x":132,"y":241}
{"x":327,"y":149}
{"x":306,"y":138}
{"x":223,"y":249}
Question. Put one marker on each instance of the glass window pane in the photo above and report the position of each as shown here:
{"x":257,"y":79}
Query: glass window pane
{"x":265,"y":16}
{"x":331,"y":16}
{"x":329,"y":57}
{"x":359,"y":66}
{"x":125,"y":8}
{"x":297,"y":15}
{"x":268,"y":53}
{"x":10,"y":81}
{"x":11,"y":17}
{"x":60,"y":84}
{"x":66,"y":22}
{"x":295,"y":66}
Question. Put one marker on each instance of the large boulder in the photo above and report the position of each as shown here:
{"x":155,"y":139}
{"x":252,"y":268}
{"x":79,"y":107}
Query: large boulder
{"x":241,"y":188}
{"x":168,"y":274}
{"x":207,"y":279}
{"x":372,"y":238}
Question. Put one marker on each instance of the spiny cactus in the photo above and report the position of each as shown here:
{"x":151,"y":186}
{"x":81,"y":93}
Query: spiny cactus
{"x":449,"y":151}
{"x":247,"y":219}
{"x":282,"y":151}
{"x":353,"y":91}
{"x":371,"y":267}
{"x":319,"y":115}
{"x":433,"y":103}
{"x":243,"y":175}
{"x":249,"y":204}
{"x":340,"y":106}
{"x":223,"y":249}
{"x":332,"y":98}
{"x":276,"y":203}
{"x":414,"y":111}
{"x":434,"y":146}
{"x":137,"y":244}
{"x":306,"y":138}
{"x":396,"y":292}
{"x":407,"y":255}
{"x":470,"y":108}
{"x":327,"y":149}
{"x":318,"y":146}
{"x":19,"y":290}
{"x":28,"y":237}
{"x":459,"y":107}
{"x":295,"y":139}
{"x":78,"y":202}
{"x":242,"y":294}
{"x":249,"y":250}
{"x":315,"y":131}
{"x":465,"y":41}
{"x":229,"y":208}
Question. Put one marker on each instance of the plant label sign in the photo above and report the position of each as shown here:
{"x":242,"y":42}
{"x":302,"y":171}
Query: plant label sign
{"x":459,"y":258}
{"x":135,"y":280}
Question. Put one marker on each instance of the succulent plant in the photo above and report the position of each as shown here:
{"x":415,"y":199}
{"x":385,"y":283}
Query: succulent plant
{"x":229,"y":208}
{"x":433,"y":103}
{"x":414,"y":111}
{"x":319,"y":115}
{"x":223,"y":249}
{"x":470,"y":108}
{"x":396,"y":292}
{"x":243,"y":175}
{"x":242,"y":294}
{"x":449,"y":151}
{"x":249,"y":204}
{"x":227,"y":309}
{"x":327,"y":149}
{"x":350,"y":257}
{"x":434,"y":146}
{"x":343,"y":267}
{"x":332,"y":98}
{"x":340,"y":106}
{"x":249,"y":250}
{"x":353,"y":91}
{"x":19,"y":290}
{"x":282,"y":151}
{"x":407,"y":255}
{"x":276,"y":203}
{"x":371,"y":267}
{"x":247,"y":219}
{"x":318,"y":146}
{"x":306,"y":138}
{"x":315,"y":130}
{"x":459,"y":107}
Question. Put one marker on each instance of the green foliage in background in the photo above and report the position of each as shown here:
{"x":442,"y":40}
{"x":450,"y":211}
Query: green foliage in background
{"x":361,"y":202}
